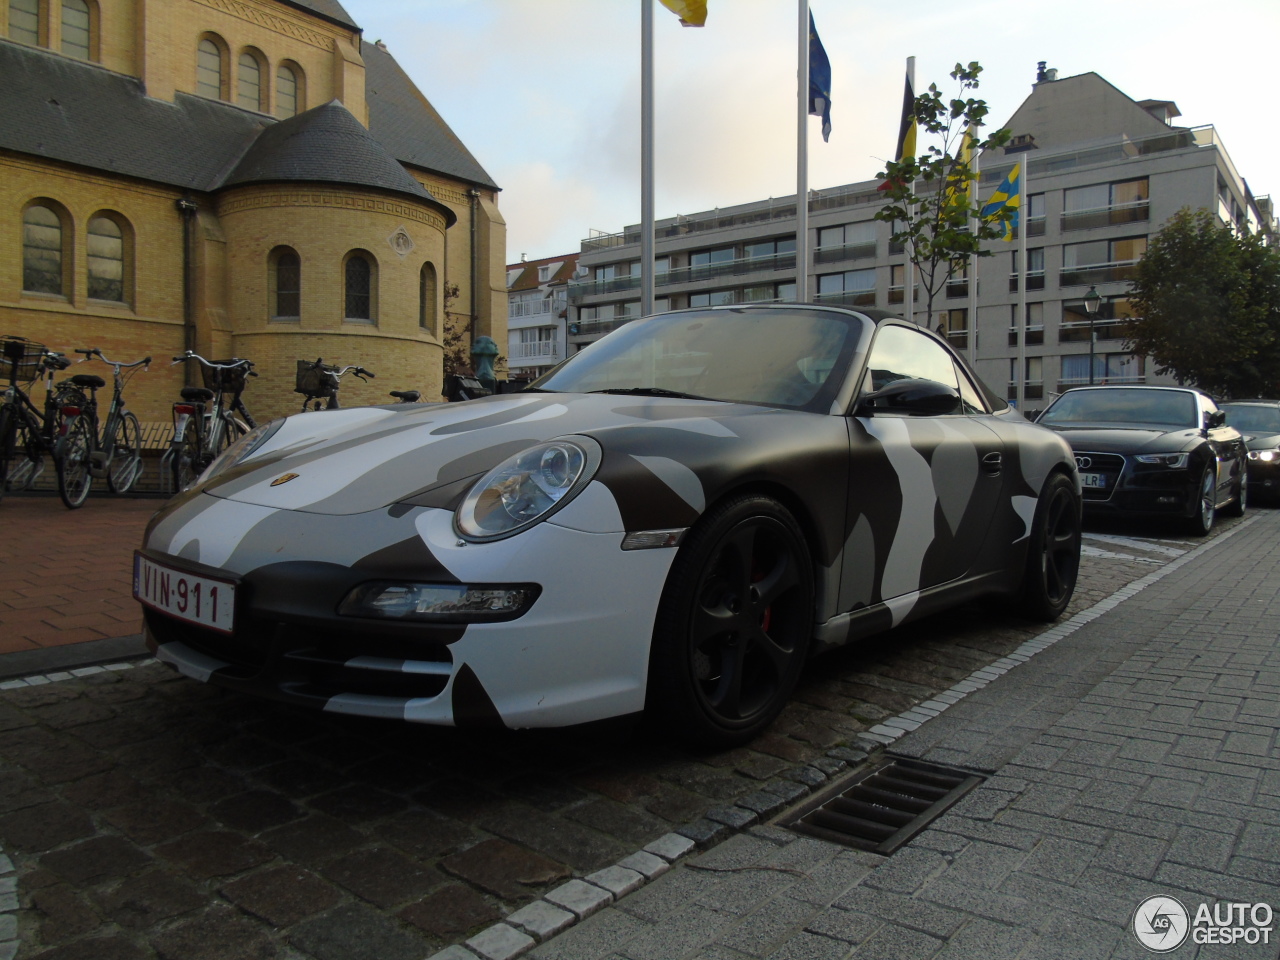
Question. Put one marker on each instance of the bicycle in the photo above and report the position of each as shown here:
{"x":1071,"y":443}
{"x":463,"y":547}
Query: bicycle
{"x":27,"y":433}
{"x":204,"y":421}
{"x":114,"y":452}
{"x":320,"y":381}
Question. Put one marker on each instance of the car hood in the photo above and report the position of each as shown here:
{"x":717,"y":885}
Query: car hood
{"x":1126,"y":439}
{"x":1262,"y":441}
{"x":353,"y":461}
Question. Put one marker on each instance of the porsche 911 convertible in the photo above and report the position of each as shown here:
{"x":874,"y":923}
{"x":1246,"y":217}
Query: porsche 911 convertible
{"x":670,"y":523}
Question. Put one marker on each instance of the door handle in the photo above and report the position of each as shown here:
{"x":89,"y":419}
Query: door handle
{"x":992,"y":462}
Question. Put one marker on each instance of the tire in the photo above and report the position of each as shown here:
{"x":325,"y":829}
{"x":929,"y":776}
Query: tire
{"x":71,"y":461}
{"x":1240,"y":502}
{"x":186,"y":460}
{"x":1202,"y":522}
{"x":1053,"y":554}
{"x":126,"y":455}
{"x":726,"y":655}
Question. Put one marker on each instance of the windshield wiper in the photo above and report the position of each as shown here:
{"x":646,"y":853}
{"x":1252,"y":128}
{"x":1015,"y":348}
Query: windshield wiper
{"x":652,"y":392}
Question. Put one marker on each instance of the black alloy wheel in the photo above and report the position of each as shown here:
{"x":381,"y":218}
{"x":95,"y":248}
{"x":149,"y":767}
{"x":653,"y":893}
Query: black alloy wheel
{"x":1053,"y":555}
{"x":71,"y":461}
{"x":1207,"y":502}
{"x":734,"y":625}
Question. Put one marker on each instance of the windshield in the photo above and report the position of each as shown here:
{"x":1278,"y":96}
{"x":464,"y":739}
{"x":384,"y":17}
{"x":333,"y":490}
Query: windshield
{"x":1248,"y":418}
{"x":773,"y":356}
{"x":1138,"y":406}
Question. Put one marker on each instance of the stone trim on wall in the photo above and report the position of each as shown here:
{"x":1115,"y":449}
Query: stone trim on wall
{"x":292,"y":28}
{"x":393,"y":208}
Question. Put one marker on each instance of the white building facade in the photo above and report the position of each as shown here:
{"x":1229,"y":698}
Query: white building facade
{"x":537,"y":314}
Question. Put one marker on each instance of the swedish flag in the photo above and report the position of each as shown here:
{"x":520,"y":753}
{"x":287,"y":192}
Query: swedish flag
{"x":1007,"y":196}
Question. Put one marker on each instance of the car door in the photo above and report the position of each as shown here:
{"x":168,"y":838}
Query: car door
{"x":1227,"y":445}
{"x":923,"y":488}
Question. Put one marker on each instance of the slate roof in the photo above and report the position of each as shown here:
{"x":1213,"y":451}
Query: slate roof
{"x":68,"y":110}
{"x":325,"y":144}
{"x":408,"y":126}
{"x":528,"y":276}
{"x":329,"y":9}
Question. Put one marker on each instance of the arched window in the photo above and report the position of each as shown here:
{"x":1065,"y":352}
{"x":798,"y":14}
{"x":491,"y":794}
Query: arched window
{"x":360,"y":275}
{"x":77,"y":35}
{"x":42,"y":259}
{"x":285,"y":284}
{"x":427,"y":297}
{"x":249,"y":82}
{"x":106,"y":259}
{"x":288,"y":92}
{"x":209,"y":72}
{"x":24,"y":21}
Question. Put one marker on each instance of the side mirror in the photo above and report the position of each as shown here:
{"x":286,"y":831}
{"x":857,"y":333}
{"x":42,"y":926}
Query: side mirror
{"x":1214,"y":419}
{"x":919,"y":397}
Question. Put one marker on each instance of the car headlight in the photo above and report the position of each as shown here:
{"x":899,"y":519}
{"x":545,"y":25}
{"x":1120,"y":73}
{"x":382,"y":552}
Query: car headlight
{"x":1168,"y":459}
{"x":527,"y":488}
{"x":242,"y":449}
{"x":1266,"y":456}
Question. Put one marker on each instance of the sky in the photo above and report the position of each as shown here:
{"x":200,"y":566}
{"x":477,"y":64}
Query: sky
{"x":546,"y":93}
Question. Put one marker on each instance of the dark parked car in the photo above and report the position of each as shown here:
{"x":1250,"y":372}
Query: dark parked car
{"x":1162,"y":451}
{"x":671,"y":521}
{"x":1259,"y":422}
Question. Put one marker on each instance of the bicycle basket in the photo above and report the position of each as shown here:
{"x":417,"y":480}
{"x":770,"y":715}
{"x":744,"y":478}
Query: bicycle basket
{"x":315,"y":380}
{"x":22,"y":359}
{"x":230,"y":381}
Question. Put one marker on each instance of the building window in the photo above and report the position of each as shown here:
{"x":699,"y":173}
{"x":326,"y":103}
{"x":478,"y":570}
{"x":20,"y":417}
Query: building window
{"x":209,"y":69}
{"x":427,"y":297}
{"x":851,"y":287}
{"x":42,"y":254}
{"x":360,"y":277}
{"x":76,"y":32}
{"x":288,"y":92}
{"x":106,"y":259}
{"x":249,"y":82}
{"x":24,"y":21}
{"x":715,"y":298}
{"x":284,"y":282}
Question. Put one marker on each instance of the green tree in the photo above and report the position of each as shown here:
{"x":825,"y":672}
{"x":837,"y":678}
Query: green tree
{"x":1208,"y":303}
{"x":932,"y":196}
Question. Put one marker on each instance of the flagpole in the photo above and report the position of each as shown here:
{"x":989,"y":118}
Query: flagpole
{"x":646,"y":157}
{"x":802,"y":155}
{"x":909,"y":289}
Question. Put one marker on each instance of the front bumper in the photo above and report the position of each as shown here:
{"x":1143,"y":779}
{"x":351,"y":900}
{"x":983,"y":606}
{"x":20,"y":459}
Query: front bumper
{"x":1143,"y":490}
{"x":579,"y":654}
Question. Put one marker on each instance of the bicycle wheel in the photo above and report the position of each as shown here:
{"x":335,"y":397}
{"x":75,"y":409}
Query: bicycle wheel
{"x":6,"y":446}
{"x":125,"y":465}
{"x":23,"y":456}
{"x":186,"y":462}
{"x":71,"y":461}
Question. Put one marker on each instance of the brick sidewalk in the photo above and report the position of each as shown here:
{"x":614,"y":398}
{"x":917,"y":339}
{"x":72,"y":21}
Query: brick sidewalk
{"x":1136,"y":756}
{"x":66,"y":575}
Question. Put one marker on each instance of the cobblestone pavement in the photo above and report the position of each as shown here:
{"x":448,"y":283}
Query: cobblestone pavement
{"x":1136,"y":756}
{"x":144,"y":815}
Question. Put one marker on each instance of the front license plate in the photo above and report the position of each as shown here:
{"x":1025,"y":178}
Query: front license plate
{"x":202,"y":600}
{"x":1096,"y":480}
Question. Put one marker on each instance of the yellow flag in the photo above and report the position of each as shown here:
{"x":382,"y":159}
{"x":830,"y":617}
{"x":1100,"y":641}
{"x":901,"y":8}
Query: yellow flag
{"x":692,"y":13}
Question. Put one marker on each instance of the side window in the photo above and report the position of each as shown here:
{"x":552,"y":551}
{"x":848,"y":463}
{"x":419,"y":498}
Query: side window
{"x":900,"y":353}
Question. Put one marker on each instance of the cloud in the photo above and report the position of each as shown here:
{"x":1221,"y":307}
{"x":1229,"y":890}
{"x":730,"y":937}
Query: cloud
{"x":545,"y":212}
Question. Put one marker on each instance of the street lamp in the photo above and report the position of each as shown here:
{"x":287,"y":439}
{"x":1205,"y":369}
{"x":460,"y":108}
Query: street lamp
{"x":1092,"y":300}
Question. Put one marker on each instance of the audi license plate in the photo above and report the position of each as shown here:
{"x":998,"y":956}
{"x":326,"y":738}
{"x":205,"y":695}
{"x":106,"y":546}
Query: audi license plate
{"x":1097,"y":481}
{"x":202,"y":600}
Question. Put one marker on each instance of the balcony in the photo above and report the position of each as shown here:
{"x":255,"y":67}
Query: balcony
{"x":849,"y":298}
{"x":1035,"y":336}
{"x":728,"y":268}
{"x":957,"y":289}
{"x":1134,"y":212}
{"x":589,"y":288}
{"x":1078,"y":331}
{"x":1093,"y":274}
{"x":1035,"y":228}
{"x":895,"y":294}
{"x":958,"y":339}
{"x":537,"y":350}
{"x":1035,"y":281}
{"x":849,"y":251}
{"x":593,"y":328}
{"x":516,"y":309}
{"x":1069,"y":382}
{"x":1031,"y":390}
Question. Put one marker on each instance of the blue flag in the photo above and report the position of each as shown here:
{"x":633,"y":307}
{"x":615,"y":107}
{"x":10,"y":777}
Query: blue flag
{"x":819,"y":81}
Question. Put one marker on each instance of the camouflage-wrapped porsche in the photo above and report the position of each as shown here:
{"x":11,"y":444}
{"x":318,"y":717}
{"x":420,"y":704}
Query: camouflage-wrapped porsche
{"x":671,"y":522}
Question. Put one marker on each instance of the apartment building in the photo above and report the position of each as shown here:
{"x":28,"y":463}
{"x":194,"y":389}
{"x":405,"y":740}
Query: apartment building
{"x":1103,"y":172}
{"x":537,"y":314}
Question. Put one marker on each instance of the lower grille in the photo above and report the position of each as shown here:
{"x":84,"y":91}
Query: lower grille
{"x":881,"y":808}
{"x":1110,"y":464}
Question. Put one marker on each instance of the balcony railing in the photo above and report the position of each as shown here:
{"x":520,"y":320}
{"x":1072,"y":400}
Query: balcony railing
{"x":957,"y":288}
{"x":540,"y":348}
{"x":728,"y":268}
{"x":1035,"y":336}
{"x":1035,"y":281}
{"x":1106,"y":216}
{"x":1031,"y":390}
{"x":1078,"y":331}
{"x":1067,"y":382}
{"x":1093,"y":274}
{"x":895,"y":294}
{"x":848,"y":251}
{"x":850,"y":298}
{"x":586,"y":328}
{"x":958,"y":339}
{"x":588,"y":288}
{"x":532,"y":308}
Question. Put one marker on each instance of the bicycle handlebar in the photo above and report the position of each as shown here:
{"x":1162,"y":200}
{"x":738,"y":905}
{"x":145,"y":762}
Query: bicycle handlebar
{"x":234,"y":364}
{"x":92,"y":352}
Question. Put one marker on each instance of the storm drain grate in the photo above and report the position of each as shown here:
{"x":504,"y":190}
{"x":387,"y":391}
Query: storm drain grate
{"x":882,"y":807}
